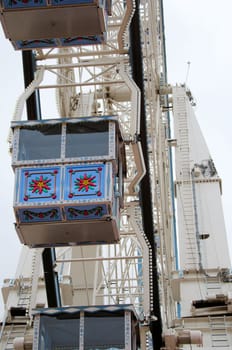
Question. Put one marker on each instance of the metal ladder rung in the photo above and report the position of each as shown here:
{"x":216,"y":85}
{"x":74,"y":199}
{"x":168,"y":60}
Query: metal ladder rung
{"x":14,"y":332}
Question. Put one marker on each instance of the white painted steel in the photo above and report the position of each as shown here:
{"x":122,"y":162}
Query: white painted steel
{"x":118,"y":274}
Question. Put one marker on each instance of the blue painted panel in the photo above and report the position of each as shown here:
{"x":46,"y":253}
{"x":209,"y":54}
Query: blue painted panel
{"x":62,"y":42}
{"x":88,"y":212}
{"x":75,"y":310}
{"x":82,"y":40}
{"x":39,"y":185}
{"x":84,"y":182}
{"x":71,"y":2}
{"x":15,"y":4}
{"x":33,"y":44}
{"x":32,"y":215}
{"x":23,"y":123}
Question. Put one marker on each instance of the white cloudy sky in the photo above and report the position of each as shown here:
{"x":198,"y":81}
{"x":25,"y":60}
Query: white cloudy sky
{"x":197,"y":31}
{"x":11,"y":85}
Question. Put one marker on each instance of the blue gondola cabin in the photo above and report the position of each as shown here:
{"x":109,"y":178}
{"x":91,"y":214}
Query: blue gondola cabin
{"x":68,"y":181}
{"x":54,"y":23}
{"x":93,"y":327}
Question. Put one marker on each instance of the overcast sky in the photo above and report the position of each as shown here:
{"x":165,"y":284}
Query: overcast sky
{"x":197,"y":31}
{"x":10,"y":88}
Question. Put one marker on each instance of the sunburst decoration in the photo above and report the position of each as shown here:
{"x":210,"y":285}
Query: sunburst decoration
{"x":85,"y":183}
{"x":40,"y":185}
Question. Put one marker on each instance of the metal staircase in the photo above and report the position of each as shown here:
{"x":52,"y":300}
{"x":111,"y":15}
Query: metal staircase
{"x":219,"y":336}
{"x":21,"y":313}
{"x":184,"y":182}
{"x":16,"y":330}
{"x":24,"y":296}
{"x":213,"y":285}
{"x":28,"y":286}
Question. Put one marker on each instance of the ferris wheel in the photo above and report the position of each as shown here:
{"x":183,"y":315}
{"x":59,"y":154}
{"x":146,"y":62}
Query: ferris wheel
{"x":83,"y":194}
{"x":94,"y":189}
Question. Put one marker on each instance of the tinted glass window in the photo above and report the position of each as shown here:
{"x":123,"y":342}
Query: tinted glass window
{"x":104,"y":333}
{"x":87,"y":139}
{"x":40,"y":142}
{"x":58,"y":333}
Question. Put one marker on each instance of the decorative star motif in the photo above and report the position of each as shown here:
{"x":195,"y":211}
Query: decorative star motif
{"x":40,"y":185}
{"x":85,"y":183}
